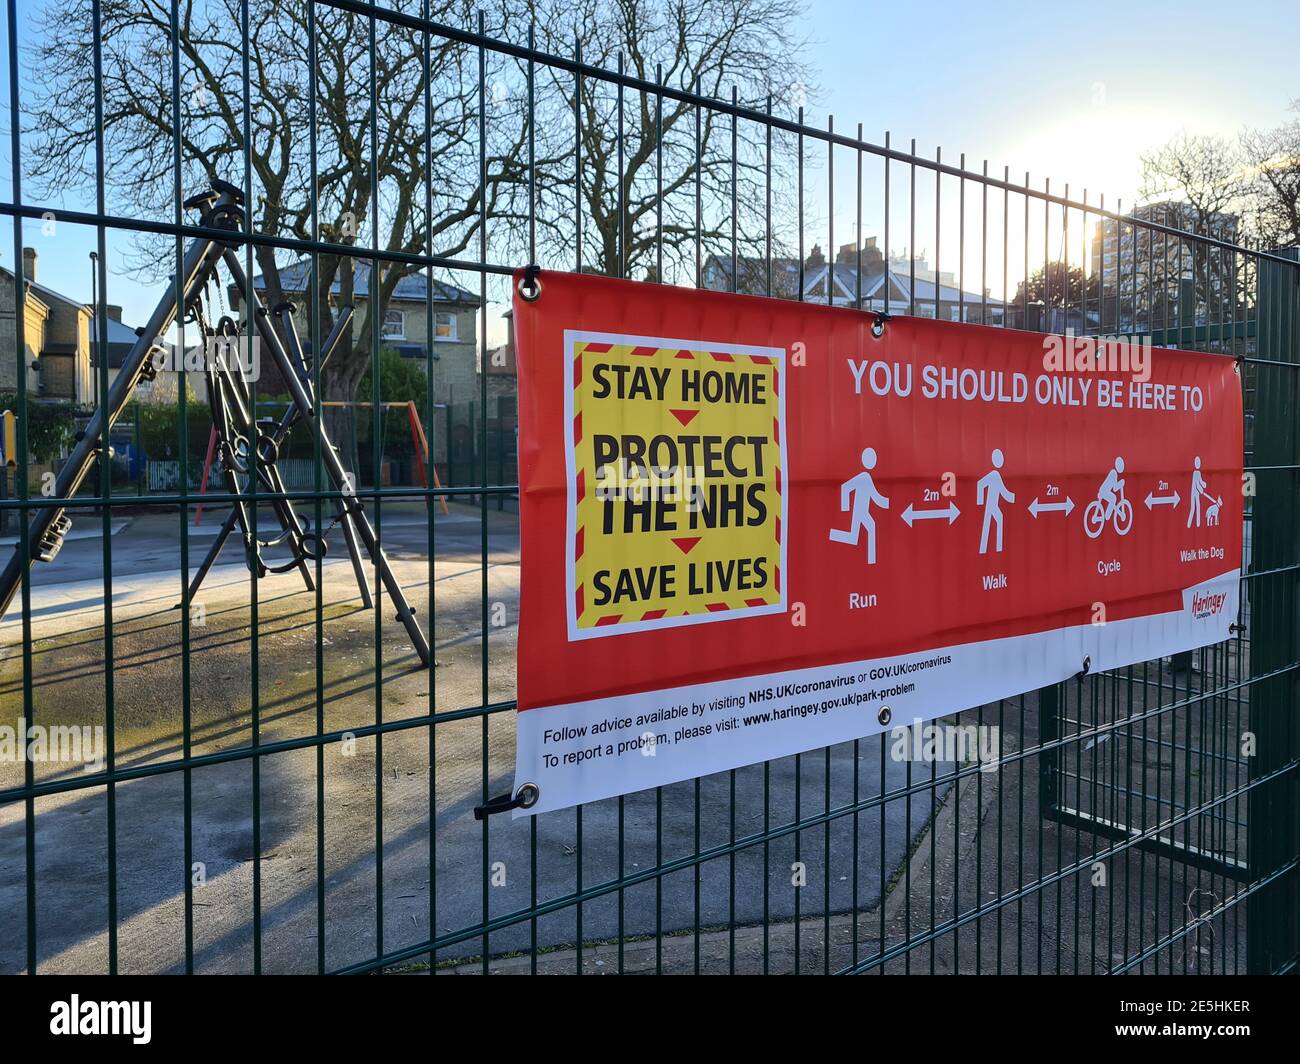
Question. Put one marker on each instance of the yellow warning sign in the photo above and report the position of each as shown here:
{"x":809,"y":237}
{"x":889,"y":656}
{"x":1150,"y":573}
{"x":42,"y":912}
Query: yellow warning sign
{"x":676,"y":503}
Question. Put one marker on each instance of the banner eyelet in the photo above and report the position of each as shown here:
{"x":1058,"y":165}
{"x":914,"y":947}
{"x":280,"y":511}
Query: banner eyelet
{"x":524,"y":798}
{"x":530,"y":285}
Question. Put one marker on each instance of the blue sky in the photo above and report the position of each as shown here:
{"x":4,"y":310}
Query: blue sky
{"x":1075,"y":92}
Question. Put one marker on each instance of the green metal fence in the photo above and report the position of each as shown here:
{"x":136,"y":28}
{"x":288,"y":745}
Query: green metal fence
{"x":280,"y":786}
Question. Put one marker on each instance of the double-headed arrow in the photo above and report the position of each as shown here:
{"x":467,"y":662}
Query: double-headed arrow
{"x":950,"y":512}
{"x":1037,"y":507}
{"x":1162,"y":500}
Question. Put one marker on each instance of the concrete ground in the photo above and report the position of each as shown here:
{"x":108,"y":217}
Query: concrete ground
{"x":990,"y":887}
{"x":423,"y":818}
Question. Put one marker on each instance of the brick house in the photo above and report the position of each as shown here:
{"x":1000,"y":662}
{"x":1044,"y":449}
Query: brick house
{"x":908,"y":284}
{"x":59,"y":337}
{"x":405,"y":329}
{"x":449,"y":350}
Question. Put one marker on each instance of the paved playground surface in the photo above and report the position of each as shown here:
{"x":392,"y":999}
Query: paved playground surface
{"x":359,"y":686}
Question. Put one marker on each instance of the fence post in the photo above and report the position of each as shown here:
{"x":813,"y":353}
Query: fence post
{"x":1049,"y":731}
{"x":1273,"y":832}
{"x":451,"y":467}
{"x":501,"y":454}
{"x":139,"y":452}
{"x":1186,"y":307}
{"x":473,"y":449}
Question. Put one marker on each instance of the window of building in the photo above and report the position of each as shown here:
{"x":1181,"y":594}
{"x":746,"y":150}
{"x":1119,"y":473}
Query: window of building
{"x":394,"y":325}
{"x":444,"y":326}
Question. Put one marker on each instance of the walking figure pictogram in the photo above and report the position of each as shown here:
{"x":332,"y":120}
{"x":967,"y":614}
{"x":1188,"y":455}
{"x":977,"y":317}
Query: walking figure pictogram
{"x":991,"y":492}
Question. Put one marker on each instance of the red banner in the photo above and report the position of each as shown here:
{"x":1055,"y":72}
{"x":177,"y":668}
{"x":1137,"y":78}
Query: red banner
{"x":753,"y":527}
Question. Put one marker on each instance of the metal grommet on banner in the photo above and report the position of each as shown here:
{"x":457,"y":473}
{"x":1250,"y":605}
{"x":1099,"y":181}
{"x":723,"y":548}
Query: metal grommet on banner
{"x":1087,"y":664}
{"x":524,"y":798}
{"x":530,"y":284}
{"x":884,"y":716}
{"x":878,"y":325}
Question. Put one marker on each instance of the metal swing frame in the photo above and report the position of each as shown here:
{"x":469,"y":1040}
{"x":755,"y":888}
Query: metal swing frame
{"x":240,"y":433}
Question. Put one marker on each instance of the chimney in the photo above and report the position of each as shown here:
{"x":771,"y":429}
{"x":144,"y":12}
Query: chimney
{"x":816,"y":258}
{"x":29,"y":263}
{"x":848,"y":253}
{"x":114,"y":312}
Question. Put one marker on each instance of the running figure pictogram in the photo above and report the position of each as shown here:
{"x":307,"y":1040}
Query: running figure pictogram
{"x":858,"y":493}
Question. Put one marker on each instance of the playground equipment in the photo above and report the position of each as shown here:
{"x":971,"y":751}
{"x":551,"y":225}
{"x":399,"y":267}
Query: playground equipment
{"x":249,"y":446}
{"x":418,"y":439}
{"x":292,"y":534}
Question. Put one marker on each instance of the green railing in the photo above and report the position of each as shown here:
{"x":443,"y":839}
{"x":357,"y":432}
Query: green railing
{"x":278,"y":783}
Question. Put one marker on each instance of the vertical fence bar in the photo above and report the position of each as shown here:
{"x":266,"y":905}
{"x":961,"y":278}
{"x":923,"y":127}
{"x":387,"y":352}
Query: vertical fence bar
{"x":318,"y":478}
{"x":659,"y":279}
{"x":484,"y":727}
{"x":620,"y":270}
{"x":431,"y":704}
{"x":532,"y":258}
{"x":377,"y":307}
{"x":246,"y":120}
{"x":105,"y":473}
{"x":182,"y":406}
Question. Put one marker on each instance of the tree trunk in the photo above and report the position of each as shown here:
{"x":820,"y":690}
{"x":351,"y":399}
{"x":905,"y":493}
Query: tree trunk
{"x":270,"y":381}
{"x":342,"y":376}
{"x":340,"y":385}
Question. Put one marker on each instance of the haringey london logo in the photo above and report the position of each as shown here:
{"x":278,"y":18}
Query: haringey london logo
{"x":1208,"y":604}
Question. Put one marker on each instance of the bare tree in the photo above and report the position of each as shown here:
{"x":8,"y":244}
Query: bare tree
{"x":669,"y":152}
{"x":1204,"y":172}
{"x":395,"y":137}
{"x":1273,"y":156}
{"x":1200,"y":185}
{"x":391,"y":163}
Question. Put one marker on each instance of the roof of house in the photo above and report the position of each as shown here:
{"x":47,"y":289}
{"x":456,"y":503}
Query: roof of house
{"x":413,"y":287}
{"x":752,"y":274}
{"x":36,"y":286}
{"x":121,"y":338}
{"x":923,"y":290}
{"x":116,"y":333}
